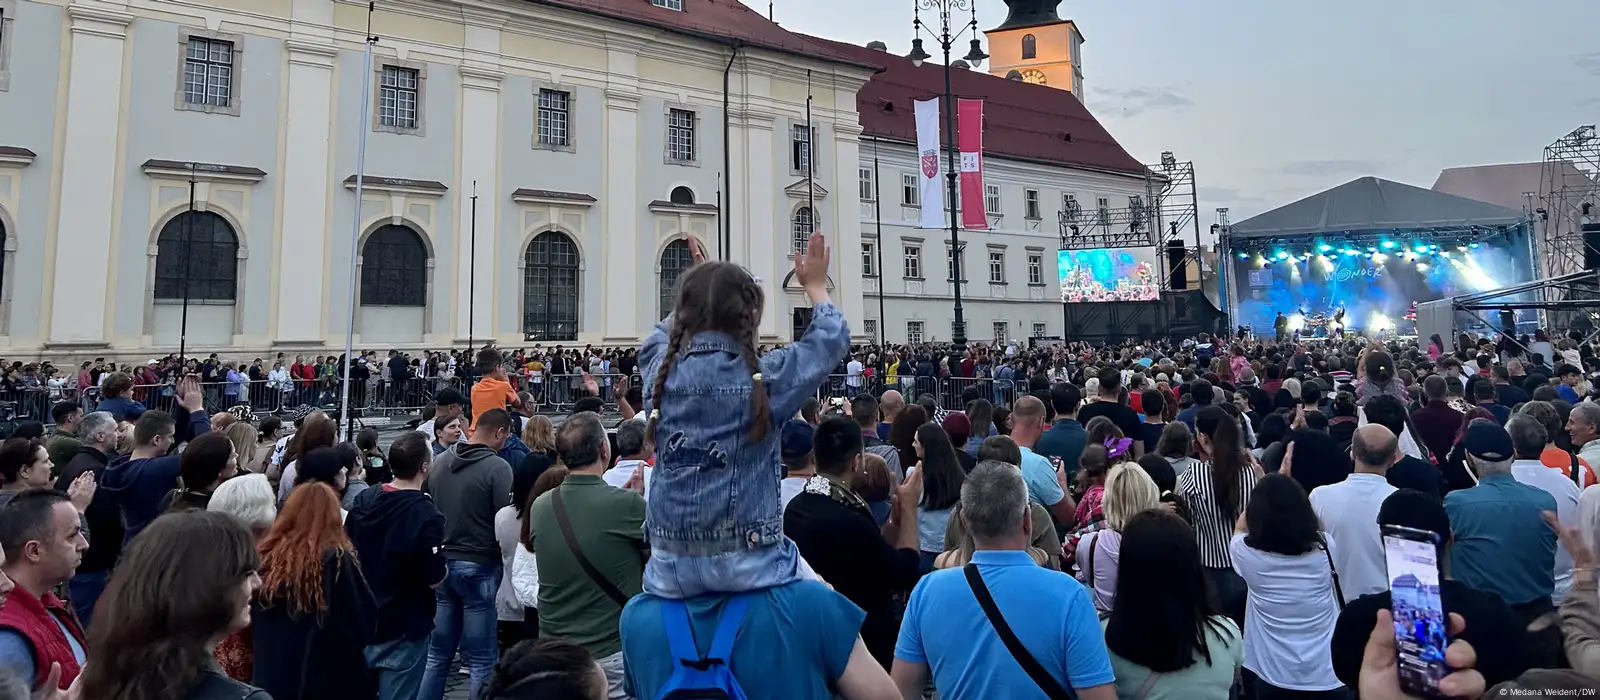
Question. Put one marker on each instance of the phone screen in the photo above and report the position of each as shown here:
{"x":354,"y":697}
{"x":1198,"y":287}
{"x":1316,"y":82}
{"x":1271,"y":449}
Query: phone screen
{"x":1419,"y":617}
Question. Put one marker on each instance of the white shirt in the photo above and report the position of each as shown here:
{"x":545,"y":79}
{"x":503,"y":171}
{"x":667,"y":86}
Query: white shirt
{"x":1566,"y":493}
{"x":619,"y":475}
{"x":1349,"y":512}
{"x":1289,"y":616}
{"x":789,"y":488}
{"x":853,"y":373}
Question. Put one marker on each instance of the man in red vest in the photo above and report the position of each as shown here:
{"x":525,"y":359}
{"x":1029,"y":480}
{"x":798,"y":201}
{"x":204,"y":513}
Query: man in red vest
{"x":39,"y":635}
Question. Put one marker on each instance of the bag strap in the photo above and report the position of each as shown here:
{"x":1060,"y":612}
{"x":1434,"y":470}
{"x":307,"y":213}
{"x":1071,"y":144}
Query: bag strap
{"x":1144,"y":688}
{"x":1576,"y":471}
{"x":594,"y":574}
{"x":1047,"y":683}
{"x":680,"y":634}
{"x":728,"y":628}
{"x":1088,"y":566}
{"x":1338,"y":592}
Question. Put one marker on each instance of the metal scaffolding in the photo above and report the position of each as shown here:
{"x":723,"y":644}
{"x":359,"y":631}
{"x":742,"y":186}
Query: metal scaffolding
{"x":1569,"y":187}
{"x":1167,"y":211}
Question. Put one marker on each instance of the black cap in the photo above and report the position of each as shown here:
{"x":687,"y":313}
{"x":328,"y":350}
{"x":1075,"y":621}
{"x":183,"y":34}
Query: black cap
{"x":1488,"y":441}
{"x":796,"y":439}
{"x":448,"y":396}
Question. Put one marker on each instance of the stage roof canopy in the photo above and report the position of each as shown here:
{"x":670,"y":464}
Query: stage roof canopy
{"x":1373,"y":204}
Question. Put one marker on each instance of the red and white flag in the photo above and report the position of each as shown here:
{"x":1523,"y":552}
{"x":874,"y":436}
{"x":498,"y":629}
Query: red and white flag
{"x":928,"y":161}
{"x":969,"y":131}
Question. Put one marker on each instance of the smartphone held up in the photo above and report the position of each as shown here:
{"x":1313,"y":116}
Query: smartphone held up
{"x":1420,"y":620}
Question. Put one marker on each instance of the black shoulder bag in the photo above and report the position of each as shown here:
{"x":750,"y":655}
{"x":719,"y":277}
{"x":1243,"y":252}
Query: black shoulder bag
{"x":1052,"y":689}
{"x":594,"y":574}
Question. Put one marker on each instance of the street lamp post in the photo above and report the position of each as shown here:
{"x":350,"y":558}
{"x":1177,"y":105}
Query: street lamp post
{"x":946,"y":40}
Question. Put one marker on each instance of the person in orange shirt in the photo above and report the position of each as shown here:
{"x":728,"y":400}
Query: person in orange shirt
{"x":1553,"y":456}
{"x":493,"y":390}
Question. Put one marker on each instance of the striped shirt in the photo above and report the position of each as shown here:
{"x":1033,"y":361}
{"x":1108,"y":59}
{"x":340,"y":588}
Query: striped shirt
{"x":1213,"y":528}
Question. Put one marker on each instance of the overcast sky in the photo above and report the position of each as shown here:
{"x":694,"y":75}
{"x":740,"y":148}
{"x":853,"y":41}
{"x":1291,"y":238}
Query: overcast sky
{"x":1278,"y":99}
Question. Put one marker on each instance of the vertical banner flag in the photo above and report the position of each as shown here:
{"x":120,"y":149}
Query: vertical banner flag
{"x":933,"y":191}
{"x":969,"y":132}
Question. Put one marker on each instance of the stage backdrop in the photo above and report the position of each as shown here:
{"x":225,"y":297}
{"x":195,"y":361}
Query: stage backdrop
{"x":1376,"y":289}
{"x":1108,"y":274}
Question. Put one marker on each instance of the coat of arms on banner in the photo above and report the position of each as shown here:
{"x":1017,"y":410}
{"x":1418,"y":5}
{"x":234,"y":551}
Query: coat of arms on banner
{"x":930,"y":164}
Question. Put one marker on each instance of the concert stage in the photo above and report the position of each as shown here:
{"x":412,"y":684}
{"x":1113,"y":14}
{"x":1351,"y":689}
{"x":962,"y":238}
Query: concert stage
{"x":1374,"y":248}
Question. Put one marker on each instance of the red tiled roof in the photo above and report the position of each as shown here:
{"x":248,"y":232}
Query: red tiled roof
{"x":1022,"y":121}
{"x":717,"y":20}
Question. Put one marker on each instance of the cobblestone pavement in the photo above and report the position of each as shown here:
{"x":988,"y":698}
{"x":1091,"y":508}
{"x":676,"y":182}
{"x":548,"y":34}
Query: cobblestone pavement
{"x":457,"y":685}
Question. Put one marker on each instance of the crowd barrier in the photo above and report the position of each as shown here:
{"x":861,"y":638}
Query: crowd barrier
{"x":946,"y":390}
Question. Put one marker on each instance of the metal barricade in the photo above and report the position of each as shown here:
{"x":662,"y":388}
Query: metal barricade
{"x":559,"y":392}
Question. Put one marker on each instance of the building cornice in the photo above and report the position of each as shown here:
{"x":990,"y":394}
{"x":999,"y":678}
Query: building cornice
{"x":202,"y":172}
{"x":16,"y":156}
{"x":553,"y":198}
{"x":397,"y":185}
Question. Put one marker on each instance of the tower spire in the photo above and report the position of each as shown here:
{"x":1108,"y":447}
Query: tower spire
{"x":1030,"y":13}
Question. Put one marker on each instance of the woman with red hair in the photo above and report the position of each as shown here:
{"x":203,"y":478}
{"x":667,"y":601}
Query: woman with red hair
{"x":314,"y":614}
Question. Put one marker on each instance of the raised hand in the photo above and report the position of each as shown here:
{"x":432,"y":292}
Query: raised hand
{"x":697,"y":252}
{"x":811,"y":268}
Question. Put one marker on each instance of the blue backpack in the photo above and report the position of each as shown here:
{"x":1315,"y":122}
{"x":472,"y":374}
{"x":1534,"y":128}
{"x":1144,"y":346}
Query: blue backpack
{"x":708,"y":677}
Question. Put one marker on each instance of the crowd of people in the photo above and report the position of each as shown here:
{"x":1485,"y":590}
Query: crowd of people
{"x":1143,"y":521}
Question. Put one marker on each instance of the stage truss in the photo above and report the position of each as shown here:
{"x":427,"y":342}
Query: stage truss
{"x":1167,"y":210}
{"x":1399,"y":239}
{"x":1575,"y":298}
{"x":1568,"y":188}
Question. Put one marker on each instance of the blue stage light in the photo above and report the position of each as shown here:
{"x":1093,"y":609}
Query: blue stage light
{"x":1433,"y":247}
{"x":1244,"y":256}
{"x":1474,"y":246}
{"x":1282,"y":255}
{"x":1421,"y":248}
{"x":1324,"y":247}
{"x":1351,"y":251}
{"x":1388,"y":245}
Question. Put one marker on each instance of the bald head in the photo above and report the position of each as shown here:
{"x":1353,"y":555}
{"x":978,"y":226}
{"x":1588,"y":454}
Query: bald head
{"x":1374,"y":448}
{"x":891,"y":404}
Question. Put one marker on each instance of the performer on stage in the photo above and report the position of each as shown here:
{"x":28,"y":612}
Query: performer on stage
{"x":1338,"y":323}
{"x":1280,"y":326}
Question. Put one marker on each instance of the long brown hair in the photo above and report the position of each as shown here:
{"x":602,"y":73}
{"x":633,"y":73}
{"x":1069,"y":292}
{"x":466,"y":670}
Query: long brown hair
{"x":292,"y":551}
{"x":174,"y":592}
{"x":717,"y":297}
{"x":317,"y":430}
{"x":550,"y":480}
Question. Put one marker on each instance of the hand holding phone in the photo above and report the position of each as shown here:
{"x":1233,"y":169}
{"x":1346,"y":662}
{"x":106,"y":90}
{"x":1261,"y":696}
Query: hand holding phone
{"x":1420,"y":622}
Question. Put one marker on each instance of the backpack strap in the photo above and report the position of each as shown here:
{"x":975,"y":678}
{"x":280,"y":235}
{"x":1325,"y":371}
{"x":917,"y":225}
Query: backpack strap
{"x":680,"y":633}
{"x":728,"y":629}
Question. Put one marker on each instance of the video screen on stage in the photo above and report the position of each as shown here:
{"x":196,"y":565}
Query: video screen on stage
{"x":1109,"y":274}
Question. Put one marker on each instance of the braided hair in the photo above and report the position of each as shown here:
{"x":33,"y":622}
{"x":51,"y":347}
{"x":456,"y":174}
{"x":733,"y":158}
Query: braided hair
{"x":717,"y":297}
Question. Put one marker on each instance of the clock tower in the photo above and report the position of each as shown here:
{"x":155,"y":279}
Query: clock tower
{"x":1035,"y":45}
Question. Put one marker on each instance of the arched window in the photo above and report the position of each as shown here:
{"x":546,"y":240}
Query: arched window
{"x":682,"y":195}
{"x":198,"y":248}
{"x":394,"y":268}
{"x":674,"y":260}
{"x":1030,"y":47}
{"x":803,"y":225}
{"x":550,"y":288}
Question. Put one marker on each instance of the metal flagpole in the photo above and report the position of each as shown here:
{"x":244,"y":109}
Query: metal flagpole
{"x":355,"y":228}
{"x":472,"y":272}
{"x":811,"y":158}
{"x":188,"y":277}
{"x":877,"y":214}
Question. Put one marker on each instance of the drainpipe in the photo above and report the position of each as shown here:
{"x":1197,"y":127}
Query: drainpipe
{"x":725,"y":234}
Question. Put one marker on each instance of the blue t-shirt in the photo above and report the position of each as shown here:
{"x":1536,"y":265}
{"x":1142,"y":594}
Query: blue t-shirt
{"x":1567,"y":393}
{"x":1051,"y":614}
{"x":794,"y":643}
{"x":1040,"y":476}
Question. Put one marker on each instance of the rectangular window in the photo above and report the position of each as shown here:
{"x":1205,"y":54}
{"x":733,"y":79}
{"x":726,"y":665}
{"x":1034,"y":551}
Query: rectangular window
{"x":669,"y":4}
{"x":1030,"y":204}
{"x":868,"y":192}
{"x":1035,"y":268}
{"x":1102,"y":207}
{"x":869,"y":262}
{"x":554,"y":113}
{"x":914,"y":332}
{"x":999,"y":332}
{"x":397,"y":98}
{"x":997,"y":267}
{"x":952,"y":263}
{"x":913,"y":263}
{"x":800,"y":139}
{"x":207,"y":72}
{"x":680,"y":135}
{"x":870,"y":327}
{"x":1069,"y":204}
{"x":910,"y":190}
{"x":991,"y":200}
{"x":1038,"y":330}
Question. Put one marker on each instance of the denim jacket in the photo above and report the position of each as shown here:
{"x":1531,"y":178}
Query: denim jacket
{"x":713,"y":491}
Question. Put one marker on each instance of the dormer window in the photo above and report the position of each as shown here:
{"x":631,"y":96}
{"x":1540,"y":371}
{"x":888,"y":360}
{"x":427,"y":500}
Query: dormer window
{"x":669,"y":4}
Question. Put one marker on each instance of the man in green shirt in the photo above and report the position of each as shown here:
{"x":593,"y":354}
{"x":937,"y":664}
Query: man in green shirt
{"x":64,"y":442}
{"x":607,"y":523}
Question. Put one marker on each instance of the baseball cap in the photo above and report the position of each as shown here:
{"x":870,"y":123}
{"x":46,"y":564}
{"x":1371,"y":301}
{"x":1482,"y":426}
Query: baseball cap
{"x":448,"y":396}
{"x":1488,"y":441}
{"x":795,"y":441}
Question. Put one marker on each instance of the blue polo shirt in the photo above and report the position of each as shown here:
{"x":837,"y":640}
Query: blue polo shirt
{"x":1049,"y":611}
{"x":1502,"y":543}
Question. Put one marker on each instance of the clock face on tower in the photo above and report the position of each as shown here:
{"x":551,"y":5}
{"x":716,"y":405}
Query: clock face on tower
{"x":1033,"y":75}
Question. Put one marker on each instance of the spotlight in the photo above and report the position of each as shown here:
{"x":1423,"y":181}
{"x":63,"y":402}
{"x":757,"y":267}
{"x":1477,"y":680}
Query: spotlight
{"x":1433,"y":247}
{"x":1473,"y":246}
{"x":1463,"y":248}
{"x":1371,"y":249}
{"x":1421,"y":248}
{"x":1379,"y":258}
{"x":1388,"y":245}
{"x":1324,"y":247}
{"x":1351,"y":251}
{"x":1379,"y":322}
{"x":1422,"y":267}
{"x":1282,"y":255}
{"x":1244,"y":256}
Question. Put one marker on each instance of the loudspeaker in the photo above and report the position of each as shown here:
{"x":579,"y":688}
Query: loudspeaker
{"x":1179,"y":272}
{"x":1591,"y":246}
{"x":1508,"y":320}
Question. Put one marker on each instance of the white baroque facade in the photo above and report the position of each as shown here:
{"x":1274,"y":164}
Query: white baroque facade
{"x":590,"y":145}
